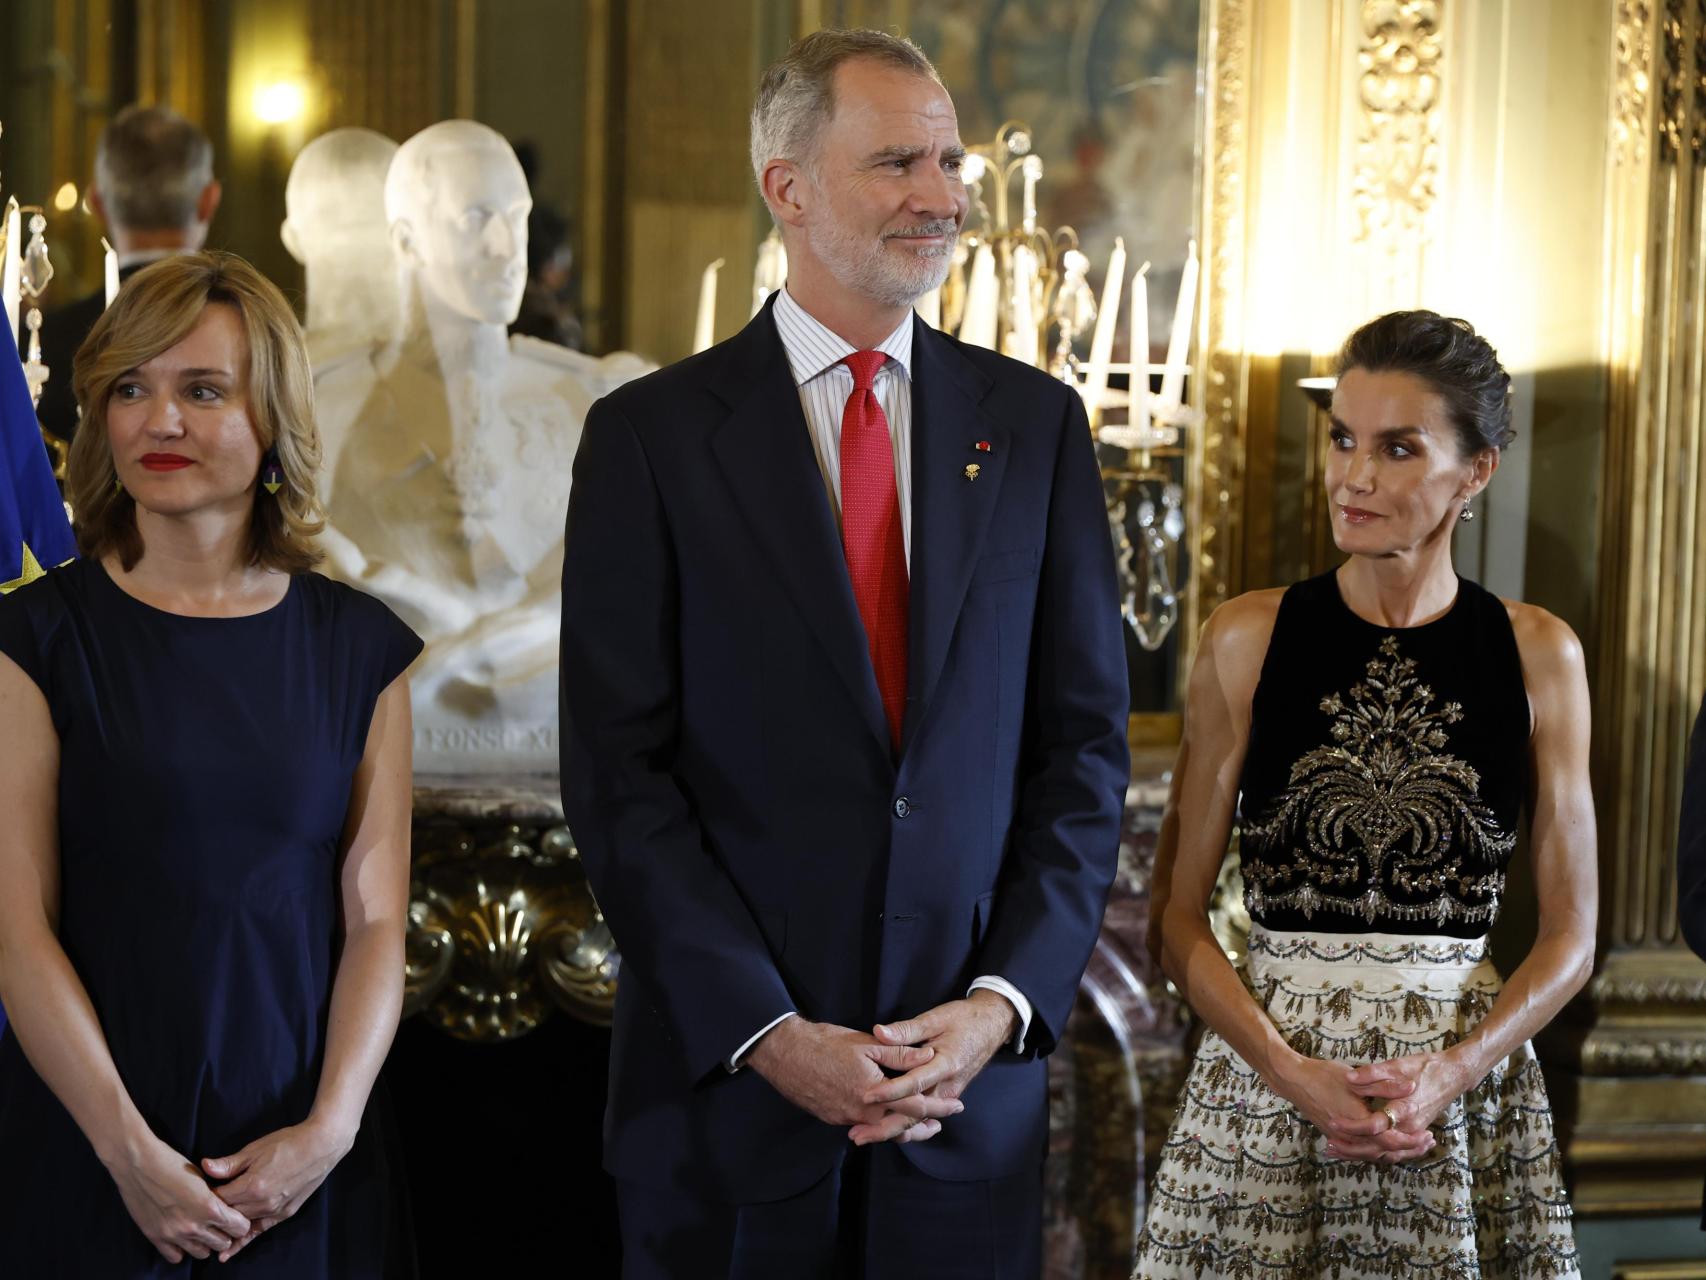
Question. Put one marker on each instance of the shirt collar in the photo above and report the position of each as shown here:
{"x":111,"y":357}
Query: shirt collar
{"x":143,"y":257}
{"x":813,"y":347}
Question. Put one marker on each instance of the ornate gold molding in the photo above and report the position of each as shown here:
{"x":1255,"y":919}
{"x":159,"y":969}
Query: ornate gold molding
{"x":1217,"y":450}
{"x":1645,"y":1056}
{"x":1397,"y":149}
{"x":502,"y":924}
{"x":1632,"y":37}
{"x":1682,"y":1269}
{"x":1614,"y":989}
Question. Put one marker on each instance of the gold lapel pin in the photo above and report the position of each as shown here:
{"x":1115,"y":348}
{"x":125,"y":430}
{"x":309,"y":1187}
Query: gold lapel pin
{"x":972,"y":471}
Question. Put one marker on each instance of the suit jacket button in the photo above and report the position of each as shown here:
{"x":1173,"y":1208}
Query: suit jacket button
{"x":902,"y":807}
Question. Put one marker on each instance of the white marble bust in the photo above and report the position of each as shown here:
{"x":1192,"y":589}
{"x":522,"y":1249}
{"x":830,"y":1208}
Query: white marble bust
{"x":447,"y":495}
{"x":335,"y":226}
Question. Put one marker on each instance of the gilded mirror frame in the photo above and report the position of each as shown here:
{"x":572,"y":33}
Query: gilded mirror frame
{"x":1220,"y":368}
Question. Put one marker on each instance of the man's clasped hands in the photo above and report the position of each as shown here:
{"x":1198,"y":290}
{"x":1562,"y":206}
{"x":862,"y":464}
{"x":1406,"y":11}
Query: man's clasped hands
{"x":841,"y":1076}
{"x":899,"y":1083}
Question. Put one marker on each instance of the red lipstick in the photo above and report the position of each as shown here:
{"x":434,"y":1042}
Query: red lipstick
{"x":165,"y":461}
{"x":1356,"y":515}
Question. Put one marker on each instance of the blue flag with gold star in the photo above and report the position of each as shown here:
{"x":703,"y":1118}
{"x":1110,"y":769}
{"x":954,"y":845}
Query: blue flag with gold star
{"x":34,"y":533}
{"x":33,"y":529}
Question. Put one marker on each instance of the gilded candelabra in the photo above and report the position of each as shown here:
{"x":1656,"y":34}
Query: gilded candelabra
{"x":24,"y":276}
{"x":1012,"y":281}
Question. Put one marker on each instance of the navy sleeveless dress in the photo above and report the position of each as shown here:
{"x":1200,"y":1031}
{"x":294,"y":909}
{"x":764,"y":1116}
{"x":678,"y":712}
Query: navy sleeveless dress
{"x":205,"y":770}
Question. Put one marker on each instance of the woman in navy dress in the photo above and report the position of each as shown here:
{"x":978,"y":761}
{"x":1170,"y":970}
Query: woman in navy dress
{"x":205,"y":773}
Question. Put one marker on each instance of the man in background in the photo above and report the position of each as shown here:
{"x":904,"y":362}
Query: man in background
{"x":155,"y":193}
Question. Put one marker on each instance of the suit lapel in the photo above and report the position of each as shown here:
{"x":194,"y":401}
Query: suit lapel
{"x":950,"y":513}
{"x":764,"y":450}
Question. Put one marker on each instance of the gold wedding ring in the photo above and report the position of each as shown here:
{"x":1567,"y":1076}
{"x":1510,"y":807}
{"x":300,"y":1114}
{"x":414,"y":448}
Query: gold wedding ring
{"x":1391,"y":1117}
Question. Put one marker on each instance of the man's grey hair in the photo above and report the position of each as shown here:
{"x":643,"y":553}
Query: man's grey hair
{"x":796,"y":97}
{"x":151,"y":166}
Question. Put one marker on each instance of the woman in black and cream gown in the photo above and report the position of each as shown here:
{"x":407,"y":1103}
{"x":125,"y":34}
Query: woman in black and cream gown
{"x":1365,"y":1101}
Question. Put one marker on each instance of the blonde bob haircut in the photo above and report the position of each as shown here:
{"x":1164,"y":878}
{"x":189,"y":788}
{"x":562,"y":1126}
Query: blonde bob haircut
{"x":155,"y":311}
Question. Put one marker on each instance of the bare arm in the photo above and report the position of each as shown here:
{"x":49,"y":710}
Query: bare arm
{"x":1565,"y":852}
{"x":273,"y":1176}
{"x":1563,"y":843}
{"x":1195,"y":828}
{"x":49,"y":1007}
{"x":1197,"y":825}
{"x":367,"y":991}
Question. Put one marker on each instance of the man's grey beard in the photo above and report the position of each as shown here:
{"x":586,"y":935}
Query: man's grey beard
{"x":869,"y":270}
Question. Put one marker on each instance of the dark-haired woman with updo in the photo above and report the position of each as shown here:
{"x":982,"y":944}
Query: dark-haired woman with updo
{"x":1365,"y":1101}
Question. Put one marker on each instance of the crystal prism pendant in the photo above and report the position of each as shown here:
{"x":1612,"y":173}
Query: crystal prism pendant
{"x":37,"y":267}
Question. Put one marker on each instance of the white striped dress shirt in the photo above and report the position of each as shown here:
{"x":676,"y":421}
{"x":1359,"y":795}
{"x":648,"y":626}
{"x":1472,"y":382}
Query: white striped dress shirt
{"x":815,"y":354}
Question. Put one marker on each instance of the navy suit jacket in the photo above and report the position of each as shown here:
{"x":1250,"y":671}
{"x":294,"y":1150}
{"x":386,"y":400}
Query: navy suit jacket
{"x":754,"y":842}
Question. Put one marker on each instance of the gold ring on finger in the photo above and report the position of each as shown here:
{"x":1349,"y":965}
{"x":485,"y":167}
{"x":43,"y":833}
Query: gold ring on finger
{"x":1391,"y":1117}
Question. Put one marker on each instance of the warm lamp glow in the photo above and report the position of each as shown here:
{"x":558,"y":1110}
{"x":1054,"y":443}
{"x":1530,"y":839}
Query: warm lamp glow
{"x":65,"y":199}
{"x":280,"y":102}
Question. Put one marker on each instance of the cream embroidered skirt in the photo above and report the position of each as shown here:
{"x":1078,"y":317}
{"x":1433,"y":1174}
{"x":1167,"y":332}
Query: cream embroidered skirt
{"x":1246,"y":1189}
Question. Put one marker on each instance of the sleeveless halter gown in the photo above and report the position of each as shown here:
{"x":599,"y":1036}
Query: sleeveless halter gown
{"x":1381,"y":791}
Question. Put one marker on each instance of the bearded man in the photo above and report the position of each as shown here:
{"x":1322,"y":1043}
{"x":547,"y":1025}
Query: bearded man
{"x":843,"y":731}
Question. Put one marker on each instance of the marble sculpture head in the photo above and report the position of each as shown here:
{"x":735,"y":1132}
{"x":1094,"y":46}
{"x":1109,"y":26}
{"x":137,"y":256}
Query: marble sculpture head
{"x":335,"y":226}
{"x":457,"y":204}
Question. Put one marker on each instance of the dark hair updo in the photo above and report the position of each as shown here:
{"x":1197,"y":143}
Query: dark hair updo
{"x":1455,"y":361}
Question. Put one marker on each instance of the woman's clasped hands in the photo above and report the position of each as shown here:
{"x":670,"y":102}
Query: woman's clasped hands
{"x":229,"y":1201}
{"x":172,"y":1204}
{"x":1381,"y":1112}
{"x":271,"y":1178}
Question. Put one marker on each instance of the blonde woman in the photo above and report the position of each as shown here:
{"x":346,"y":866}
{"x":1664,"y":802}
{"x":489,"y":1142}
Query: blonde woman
{"x":204,"y":862}
{"x":1369,"y":1104}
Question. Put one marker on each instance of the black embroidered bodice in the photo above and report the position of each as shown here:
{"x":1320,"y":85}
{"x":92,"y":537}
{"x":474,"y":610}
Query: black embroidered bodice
{"x":1386,"y":768}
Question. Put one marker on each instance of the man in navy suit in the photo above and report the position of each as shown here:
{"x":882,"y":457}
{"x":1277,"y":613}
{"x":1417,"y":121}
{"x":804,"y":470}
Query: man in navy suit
{"x":843,"y":713}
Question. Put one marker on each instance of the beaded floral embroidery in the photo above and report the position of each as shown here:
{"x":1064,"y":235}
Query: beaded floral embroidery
{"x":1383,"y":823}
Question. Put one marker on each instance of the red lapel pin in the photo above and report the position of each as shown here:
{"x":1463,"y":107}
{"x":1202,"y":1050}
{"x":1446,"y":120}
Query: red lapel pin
{"x":983,"y":446}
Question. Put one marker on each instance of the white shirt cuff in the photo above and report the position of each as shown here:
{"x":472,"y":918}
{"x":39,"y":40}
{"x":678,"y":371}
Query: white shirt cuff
{"x":1021,"y":1006}
{"x":734,"y":1063}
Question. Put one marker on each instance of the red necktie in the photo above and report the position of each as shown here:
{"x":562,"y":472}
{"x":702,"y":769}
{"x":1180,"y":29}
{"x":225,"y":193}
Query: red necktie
{"x":871,"y":534}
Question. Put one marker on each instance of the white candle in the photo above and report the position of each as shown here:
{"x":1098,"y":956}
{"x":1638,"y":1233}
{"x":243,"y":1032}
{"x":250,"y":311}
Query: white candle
{"x":1033,"y":170}
{"x":1179,"y":343}
{"x":12,"y":269}
{"x":929,"y":308}
{"x":770,"y":272}
{"x":703,"y":327}
{"x":1102,"y":341}
{"x":982,"y":298}
{"x":110,"y":265}
{"x":1022,"y":342}
{"x":1140,"y":348}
